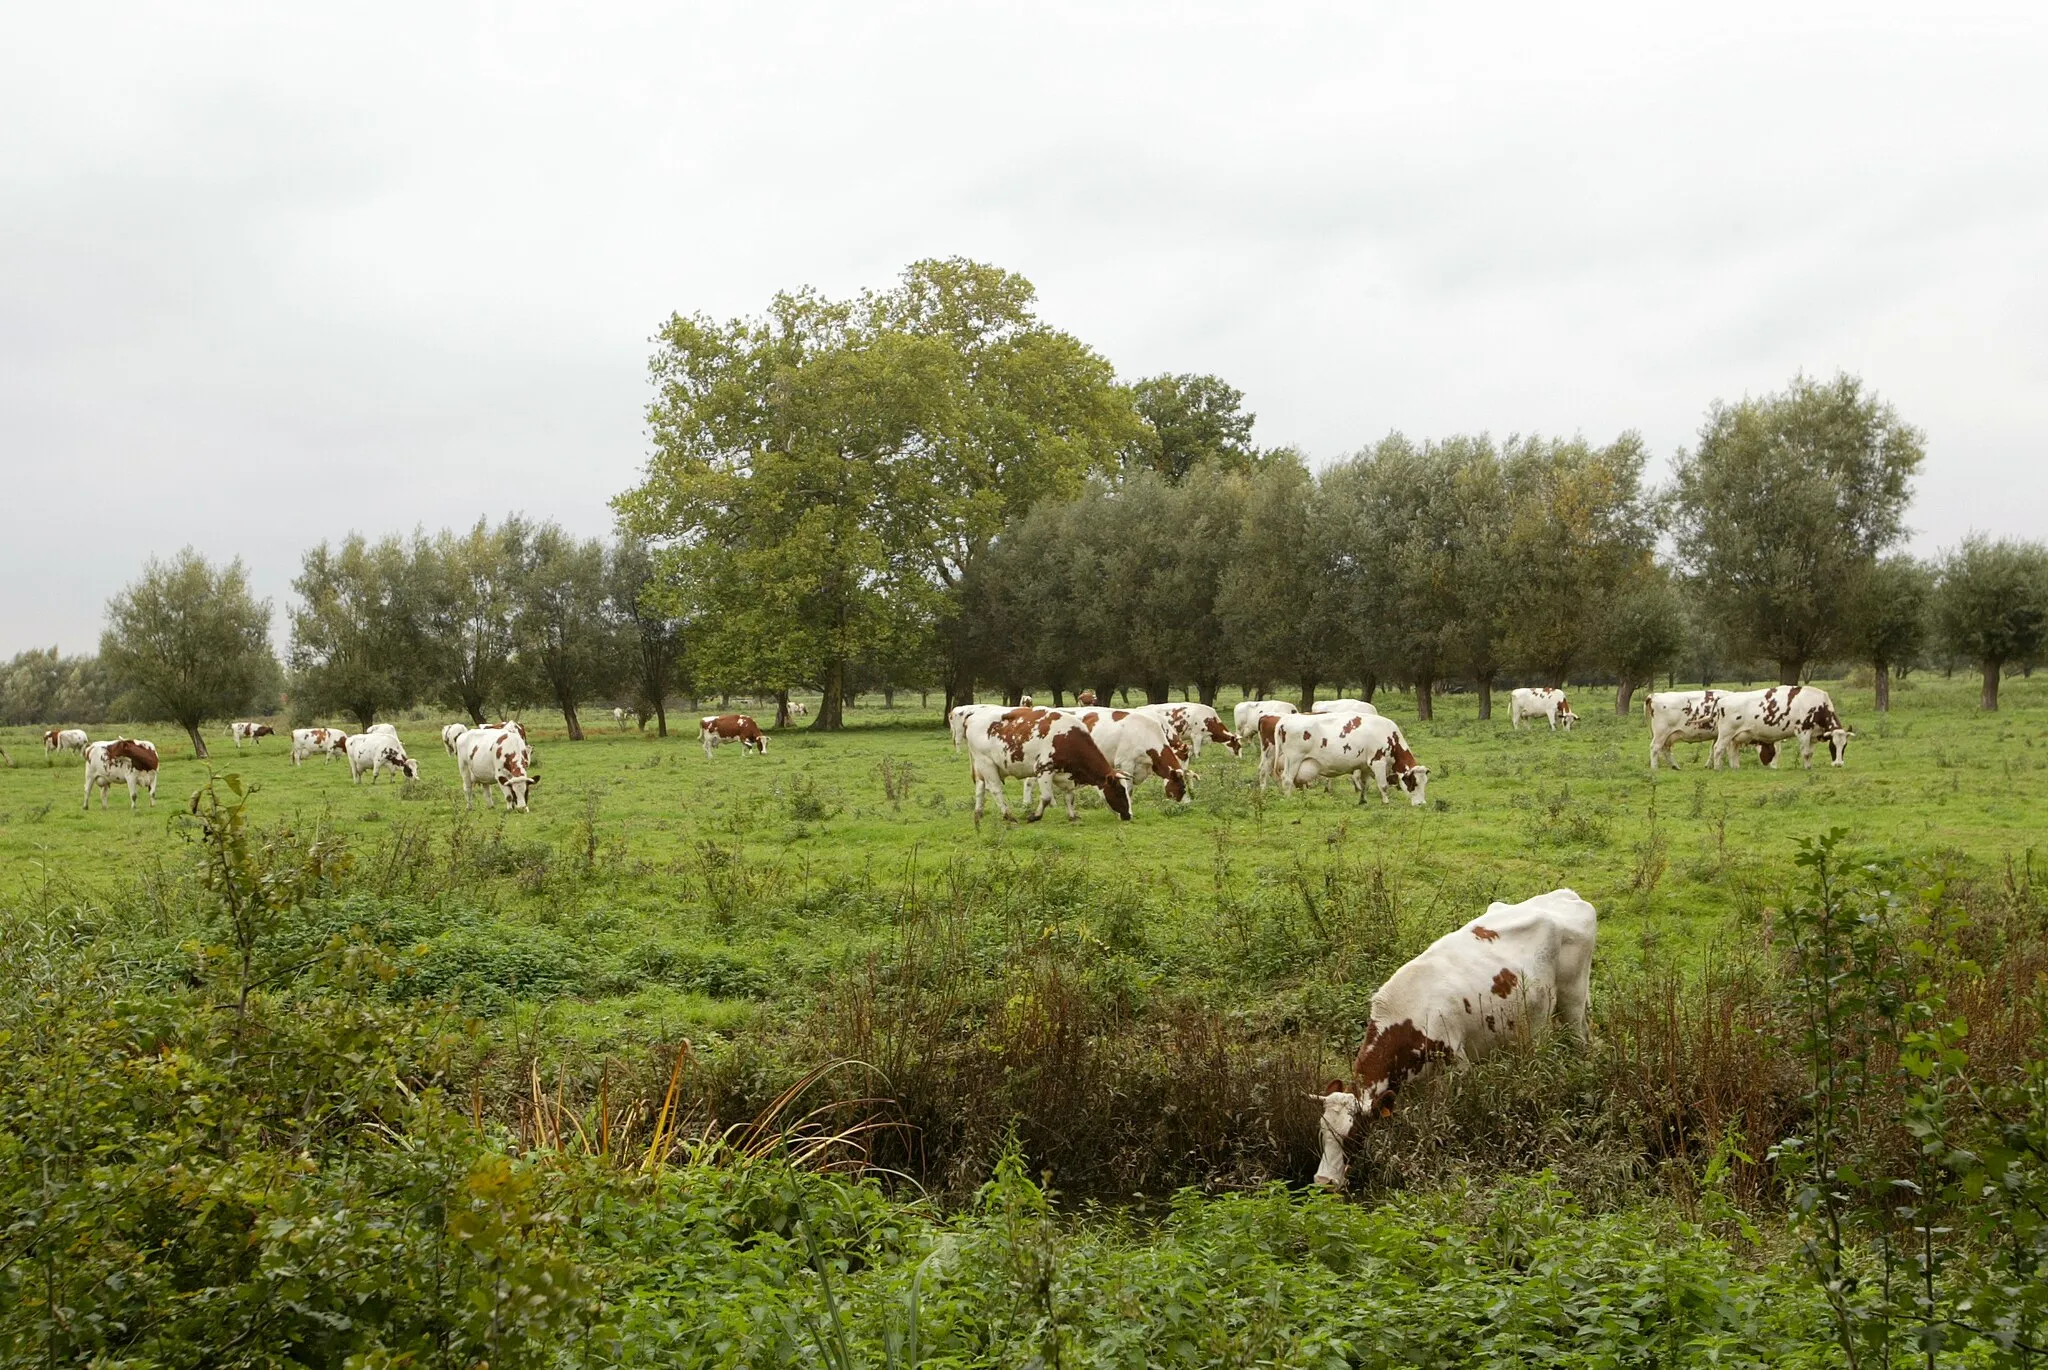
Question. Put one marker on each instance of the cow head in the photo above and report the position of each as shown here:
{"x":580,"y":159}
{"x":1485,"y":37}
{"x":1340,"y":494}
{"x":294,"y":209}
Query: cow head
{"x":1565,"y":716}
{"x":515,"y":783}
{"x":1415,"y":780}
{"x":410,"y":767}
{"x":1342,"y":1112}
{"x":1085,"y":699}
{"x":1116,"y":792}
{"x":1831,"y":728}
{"x":50,"y":740}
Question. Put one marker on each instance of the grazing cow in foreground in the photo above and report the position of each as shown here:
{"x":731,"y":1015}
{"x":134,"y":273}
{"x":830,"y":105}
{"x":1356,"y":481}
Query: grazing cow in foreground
{"x":963,"y":716}
{"x":1052,"y":747}
{"x":1777,"y":715}
{"x":125,"y":760}
{"x":499,"y":760}
{"x":1503,"y":977}
{"x":450,"y":733}
{"x":720,"y":729}
{"x":249,"y":732}
{"x":1138,"y":744}
{"x":1193,"y":726}
{"x":1343,"y":706}
{"x":328,"y":742}
{"x":1309,"y":746}
{"x":373,"y":751}
{"x":65,"y":740}
{"x":1541,"y":703}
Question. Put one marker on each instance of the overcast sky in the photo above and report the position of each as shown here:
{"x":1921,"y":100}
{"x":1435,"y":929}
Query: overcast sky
{"x":270,"y":274}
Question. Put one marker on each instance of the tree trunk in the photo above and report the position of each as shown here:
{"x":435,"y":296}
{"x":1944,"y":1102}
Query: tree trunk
{"x":569,"y":717}
{"x":1485,"y":698}
{"x":1158,"y":692}
{"x":1788,"y":671}
{"x":1013,"y":695}
{"x":1425,"y":706}
{"x":782,"y":708}
{"x":1105,"y":695}
{"x":1368,"y":687}
{"x":661,"y":718}
{"x":831,"y":706}
{"x":1308,"y":695}
{"x":1059,"y":698}
{"x":888,"y":696}
{"x":1624,"y":694}
{"x":1991,"y":673}
{"x":475,"y":709}
{"x":1205,"y":690}
{"x":199,"y":743}
{"x":1881,"y":671}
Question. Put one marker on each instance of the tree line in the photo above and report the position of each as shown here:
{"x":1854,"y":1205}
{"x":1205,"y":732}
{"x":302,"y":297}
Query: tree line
{"x":929,"y":487}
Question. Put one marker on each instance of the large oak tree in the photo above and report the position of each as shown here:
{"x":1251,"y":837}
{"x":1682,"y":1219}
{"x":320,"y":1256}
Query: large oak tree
{"x":189,"y":641}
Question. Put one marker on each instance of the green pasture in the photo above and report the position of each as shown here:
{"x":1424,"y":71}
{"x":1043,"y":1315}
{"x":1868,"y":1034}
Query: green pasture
{"x":775,"y":869}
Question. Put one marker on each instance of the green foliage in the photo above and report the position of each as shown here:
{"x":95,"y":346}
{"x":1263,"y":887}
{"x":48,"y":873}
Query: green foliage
{"x":1891,"y":621}
{"x":1193,"y":421}
{"x":357,"y":641}
{"x":1783,"y":507}
{"x":1991,"y":604}
{"x":563,"y":626}
{"x":189,"y":641}
{"x":40,"y":686}
{"x":473,"y":582}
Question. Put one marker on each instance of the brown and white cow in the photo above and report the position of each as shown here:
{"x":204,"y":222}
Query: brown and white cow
{"x":327,"y":742}
{"x":1783,"y":712}
{"x":65,"y":740}
{"x":1307,"y":747}
{"x":1192,"y":727}
{"x":373,"y":752}
{"x":963,"y":715}
{"x":1504,"y":977}
{"x":1688,"y":716}
{"x":1343,"y":706}
{"x":1086,"y":699}
{"x":1050,"y":746}
{"x":1544,"y":702}
{"x":719,"y":729}
{"x":125,"y":760}
{"x":249,"y":732}
{"x":450,"y":733}
{"x":499,"y":760}
{"x":1139,"y":744}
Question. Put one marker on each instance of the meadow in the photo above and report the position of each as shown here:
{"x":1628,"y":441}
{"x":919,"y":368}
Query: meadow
{"x":814,"y":961}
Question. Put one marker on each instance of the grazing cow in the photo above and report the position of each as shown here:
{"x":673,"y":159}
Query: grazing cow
{"x":1343,"y":706}
{"x":65,"y":740}
{"x":388,"y":729}
{"x":1309,"y":746}
{"x":1139,"y":744}
{"x":1245,"y":717}
{"x":619,"y":718}
{"x":124,"y":760}
{"x":499,"y":760}
{"x":796,"y":709}
{"x":1541,"y":703}
{"x":720,"y":729}
{"x":450,"y":733}
{"x":328,"y":742}
{"x":1689,"y":716}
{"x":1503,"y":977}
{"x":249,"y":732}
{"x":373,"y":751}
{"x":1783,"y":712}
{"x":1193,"y":726}
{"x":1050,"y":746}
{"x":1086,"y":699}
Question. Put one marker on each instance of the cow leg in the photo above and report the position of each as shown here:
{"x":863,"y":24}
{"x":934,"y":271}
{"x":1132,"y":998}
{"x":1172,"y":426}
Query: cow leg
{"x":88,"y":794}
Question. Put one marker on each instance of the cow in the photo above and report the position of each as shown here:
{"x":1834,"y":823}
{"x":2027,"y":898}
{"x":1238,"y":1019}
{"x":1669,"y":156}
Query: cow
{"x":1086,"y":699}
{"x":1783,"y":712}
{"x":797,"y":710}
{"x":1545,"y":702}
{"x":963,"y":715}
{"x":1050,"y":746}
{"x":373,"y":751}
{"x":1506,"y":976}
{"x":249,"y":732}
{"x":1245,"y":717}
{"x":498,"y":759}
{"x":328,"y":742}
{"x":719,"y":729}
{"x":388,"y":729}
{"x":1309,"y":746}
{"x":124,"y":760}
{"x":450,"y":733}
{"x":1343,"y":706}
{"x":1689,"y":716}
{"x":1193,"y":726}
{"x":619,"y":719}
{"x":1139,"y":744}
{"x":65,"y":740}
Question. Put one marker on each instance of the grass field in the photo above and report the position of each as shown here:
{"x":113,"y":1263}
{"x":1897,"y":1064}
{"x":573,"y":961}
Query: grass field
{"x":1128,"y":1008}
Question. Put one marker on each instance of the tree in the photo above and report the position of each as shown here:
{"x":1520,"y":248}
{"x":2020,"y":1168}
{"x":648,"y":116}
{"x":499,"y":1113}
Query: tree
{"x":652,"y":638}
{"x":1397,"y":507}
{"x":1192,"y":421}
{"x":357,"y":642}
{"x":1283,"y":604}
{"x":1211,"y":517}
{"x":471,"y":583}
{"x":1784,"y":506}
{"x":1642,"y":631}
{"x":1890,"y":623}
{"x":190,"y":641}
{"x":1483,"y":570}
{"x":1991,"y":603}
{"x":564,"y":636}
